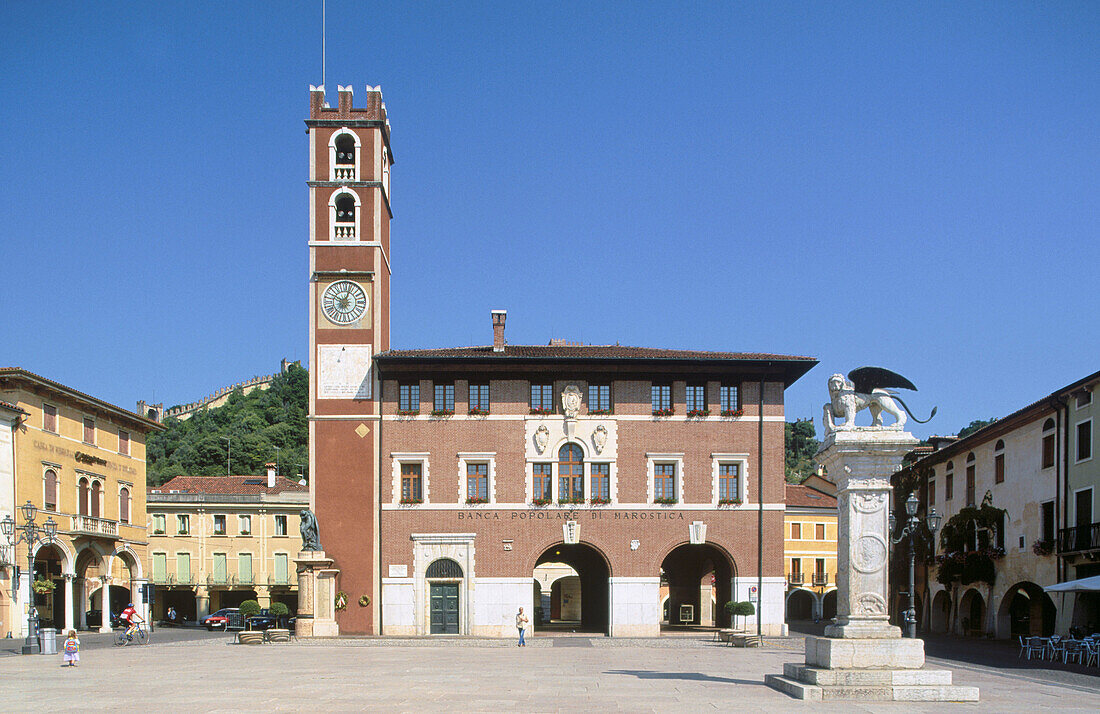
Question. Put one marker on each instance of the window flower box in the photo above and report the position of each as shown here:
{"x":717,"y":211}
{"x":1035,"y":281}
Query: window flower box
{"x":409,"y":501}
{"x":599,"y":501}
{"x":729,"y":501}
{"x":443,"y":412}
{"x":408,"y":412}
{"x":663,"y":412}
{"x":599,"y":412}
{"x":540,"y":502}
{"x":666,"y":500}
{"x":478,"y":411}
{"x":570,"y":501}
{"x":733,"y":412}
{"x":475,"y":500}
{"x":698,"y":413}
{"x":540,"y":411}
{"x":1043,"y":547}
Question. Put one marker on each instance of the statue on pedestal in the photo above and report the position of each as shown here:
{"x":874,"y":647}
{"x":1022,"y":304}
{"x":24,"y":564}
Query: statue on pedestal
{"x":311,"y":539}
{"x":867,"y":388}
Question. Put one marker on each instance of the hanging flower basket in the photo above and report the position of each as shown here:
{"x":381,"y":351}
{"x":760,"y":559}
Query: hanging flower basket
{"x":43,"y":586}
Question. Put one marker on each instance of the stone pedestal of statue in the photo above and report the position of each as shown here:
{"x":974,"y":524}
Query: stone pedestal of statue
{"x":316,"y":595}
{"x":862,"y":656}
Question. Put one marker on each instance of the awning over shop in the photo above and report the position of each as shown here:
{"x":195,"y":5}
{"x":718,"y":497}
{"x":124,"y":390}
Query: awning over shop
{"x":1083,"y":585}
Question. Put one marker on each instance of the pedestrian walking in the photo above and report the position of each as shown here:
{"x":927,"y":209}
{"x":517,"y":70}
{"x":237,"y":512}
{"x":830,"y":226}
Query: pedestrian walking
{"x":71,"y":649}
{"x":521,"y":625}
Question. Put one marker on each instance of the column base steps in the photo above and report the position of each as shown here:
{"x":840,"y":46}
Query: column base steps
{"x":877,"y":685}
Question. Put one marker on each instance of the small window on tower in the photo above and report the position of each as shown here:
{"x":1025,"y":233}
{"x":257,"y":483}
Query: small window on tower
{"x":343,"y":212}
{"x":345,"y":209}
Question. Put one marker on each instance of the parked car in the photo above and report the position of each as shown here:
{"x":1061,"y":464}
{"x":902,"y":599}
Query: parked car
{"x":94,"y":618}
{"x":263,"y":621}
{"x":218,"y":620}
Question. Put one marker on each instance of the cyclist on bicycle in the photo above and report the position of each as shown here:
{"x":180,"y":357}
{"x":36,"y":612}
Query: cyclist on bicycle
{"x":132,"y":620}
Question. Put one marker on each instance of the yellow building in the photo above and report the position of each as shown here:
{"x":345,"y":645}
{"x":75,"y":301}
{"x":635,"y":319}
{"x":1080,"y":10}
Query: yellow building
{"x":80,"y":462}
{"x":810,"y":538}
{"x":216,"y":541}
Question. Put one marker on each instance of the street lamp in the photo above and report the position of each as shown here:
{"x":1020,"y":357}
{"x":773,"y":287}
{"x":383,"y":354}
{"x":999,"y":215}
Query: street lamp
{"x":32,"y":534}
{"x":910,"y":530}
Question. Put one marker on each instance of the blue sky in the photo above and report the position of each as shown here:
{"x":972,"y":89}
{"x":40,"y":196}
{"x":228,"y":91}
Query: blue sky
{"x":911,"y":186}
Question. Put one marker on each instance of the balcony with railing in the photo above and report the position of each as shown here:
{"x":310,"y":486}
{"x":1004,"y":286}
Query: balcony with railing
{"x":344,"y":172}
{"x":90,"y":525}
{"x":795,"y":578}
{"x":821,"y":579}
{"x":278,"y":580}
{"x":1079,"y":539}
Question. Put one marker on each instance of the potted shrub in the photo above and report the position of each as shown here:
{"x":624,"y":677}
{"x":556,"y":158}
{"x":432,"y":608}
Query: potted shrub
{"x":743,"y":609}
{"x":280,"y":611}
{"x":249,"y":608}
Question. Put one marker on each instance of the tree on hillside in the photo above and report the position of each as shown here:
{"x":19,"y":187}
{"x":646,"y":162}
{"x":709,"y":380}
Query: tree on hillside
{"x":262,"y":426}
{"x":974,"y":426}
{"x":801,"y":445}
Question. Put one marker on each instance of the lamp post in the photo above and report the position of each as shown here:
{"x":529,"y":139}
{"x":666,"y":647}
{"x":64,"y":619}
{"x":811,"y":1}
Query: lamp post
{"x":909,"y":531}
{"x":31,"y":534}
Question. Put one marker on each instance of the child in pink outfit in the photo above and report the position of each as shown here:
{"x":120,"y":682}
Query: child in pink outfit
{"x":71,"y":650}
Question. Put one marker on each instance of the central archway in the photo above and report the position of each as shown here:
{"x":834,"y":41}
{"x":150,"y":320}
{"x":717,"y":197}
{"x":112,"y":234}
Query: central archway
{"x":590,"y":586}
{"x":699,"y":578}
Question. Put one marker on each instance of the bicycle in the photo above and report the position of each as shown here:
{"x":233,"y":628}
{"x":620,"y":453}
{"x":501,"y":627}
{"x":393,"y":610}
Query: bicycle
{"x":140,"y":636}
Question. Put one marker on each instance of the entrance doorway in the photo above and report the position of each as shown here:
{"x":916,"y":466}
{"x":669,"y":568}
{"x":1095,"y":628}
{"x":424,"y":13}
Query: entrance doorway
{"x":578,"y":596}
{"x":699,"y":578}
{"x":444,"y":604}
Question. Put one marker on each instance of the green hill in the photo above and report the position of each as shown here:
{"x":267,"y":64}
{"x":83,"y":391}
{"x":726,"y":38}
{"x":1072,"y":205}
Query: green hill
{"x":262,"y":426}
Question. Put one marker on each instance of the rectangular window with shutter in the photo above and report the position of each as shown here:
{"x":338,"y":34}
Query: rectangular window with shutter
{"x":819,"y":531}
{"x":183,"y":567}
{"x":244,"y":568}
{"x":49,"y":417}
{"x":281,"y":568}
{"x":160,"y":567}
{"x":123,"y":442}
{"x":280,"y":525}
{"x":219,"y":568}
{"x":796,"y":531}
{"x":89,"y":430}
{"x":158,"y":524}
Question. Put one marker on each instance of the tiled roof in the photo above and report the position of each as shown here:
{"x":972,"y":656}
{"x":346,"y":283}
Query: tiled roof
{"x":13,"y":407}
{"x":802,"y":497}
{"x":583,"y":352}
{"x":228,"y":485}
{"x":20,"y":373}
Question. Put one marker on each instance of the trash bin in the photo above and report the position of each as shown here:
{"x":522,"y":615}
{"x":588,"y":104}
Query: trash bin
{"x":47,"y":640}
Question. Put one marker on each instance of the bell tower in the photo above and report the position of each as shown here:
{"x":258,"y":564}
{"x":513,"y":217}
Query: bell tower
{"x":349,"y":322}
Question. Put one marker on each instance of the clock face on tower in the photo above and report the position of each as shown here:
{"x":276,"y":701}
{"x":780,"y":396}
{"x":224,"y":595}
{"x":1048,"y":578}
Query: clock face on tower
{"x":344,"y":302}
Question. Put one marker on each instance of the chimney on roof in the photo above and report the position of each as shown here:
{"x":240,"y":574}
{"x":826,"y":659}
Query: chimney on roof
{"x":498,"y":329}
{"x":271,"y":475}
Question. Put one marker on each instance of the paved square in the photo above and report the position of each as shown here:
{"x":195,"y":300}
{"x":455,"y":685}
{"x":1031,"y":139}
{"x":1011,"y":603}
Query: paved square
{"x":553,"y":674}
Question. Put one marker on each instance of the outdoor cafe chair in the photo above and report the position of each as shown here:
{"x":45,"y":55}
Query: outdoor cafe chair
{"x":1073,"y":649}
{"x":1090,"y":652}
{"x":1032,"y":646}
{"x":1054,"y":648}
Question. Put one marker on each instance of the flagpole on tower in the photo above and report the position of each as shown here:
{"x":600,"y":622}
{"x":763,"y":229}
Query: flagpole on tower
{"x":322,"y":43}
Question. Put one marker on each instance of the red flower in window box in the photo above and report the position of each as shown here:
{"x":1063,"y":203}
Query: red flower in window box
{"x":478,"y":411}
{"x":729,"y":501}
{"x":408,"y":412}
{"x":475,"y":500}
{"x":599,"y":501}
{"x":540,"y":501}
{"x":599,"y":412}
{"x":733,"y":412}
{"x":410,"y":501}
{"x":541,"y":411}
{"x":698,"y":413}
{"x":566,"y":500}
{"x":663,"y":412}
{"x":443,"y":412}
{"x":666,"y":500}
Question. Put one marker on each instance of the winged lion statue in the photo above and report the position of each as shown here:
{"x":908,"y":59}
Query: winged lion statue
{"x":868,"y":388}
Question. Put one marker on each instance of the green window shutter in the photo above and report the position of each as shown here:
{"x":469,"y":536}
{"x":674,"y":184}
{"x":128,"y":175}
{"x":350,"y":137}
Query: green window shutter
{"x":244,"y":567}
{"x":183,"y":567}
{"x":160,"y":567}
{"x":280,"y":568}
{"x":219,"y":567}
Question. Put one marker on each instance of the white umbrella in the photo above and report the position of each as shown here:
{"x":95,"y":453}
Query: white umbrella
{"x":1084,"y":585}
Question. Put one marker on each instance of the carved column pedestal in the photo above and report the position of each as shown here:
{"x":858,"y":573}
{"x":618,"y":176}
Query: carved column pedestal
{"x":862,"y":655}
{"x":316,"y":595}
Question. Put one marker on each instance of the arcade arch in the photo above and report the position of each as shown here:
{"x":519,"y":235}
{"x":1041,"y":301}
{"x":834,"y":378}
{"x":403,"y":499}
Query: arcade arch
{"x":699,"y":580}
{"x":1026,"y":610}
{"x":800,"y":605}
{"x":591,"y":587}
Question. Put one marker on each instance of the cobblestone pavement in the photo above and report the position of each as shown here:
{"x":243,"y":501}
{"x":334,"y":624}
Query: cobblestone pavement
{"x":665,"y":674}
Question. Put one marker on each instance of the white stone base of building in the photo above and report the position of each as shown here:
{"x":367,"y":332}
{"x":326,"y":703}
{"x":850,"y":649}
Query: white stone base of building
{"x":635,"y":607}
{"x":771,"y":603}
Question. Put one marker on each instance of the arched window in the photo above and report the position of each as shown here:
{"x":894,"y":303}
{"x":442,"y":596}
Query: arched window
{"x":570,"y":473}
{"x":344,"y":155}
{"x":85,"y":508}
{"x":971,"y":469}
{"x":124,"y":505}
{"x":97,"y":498}
{"x":344,"y":214}
{"x":999,"y":461}
{"x":444,"y":569}
{"x":50,"y":494}
{"x":1048,"y":443}
{"x":949,"y":481}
